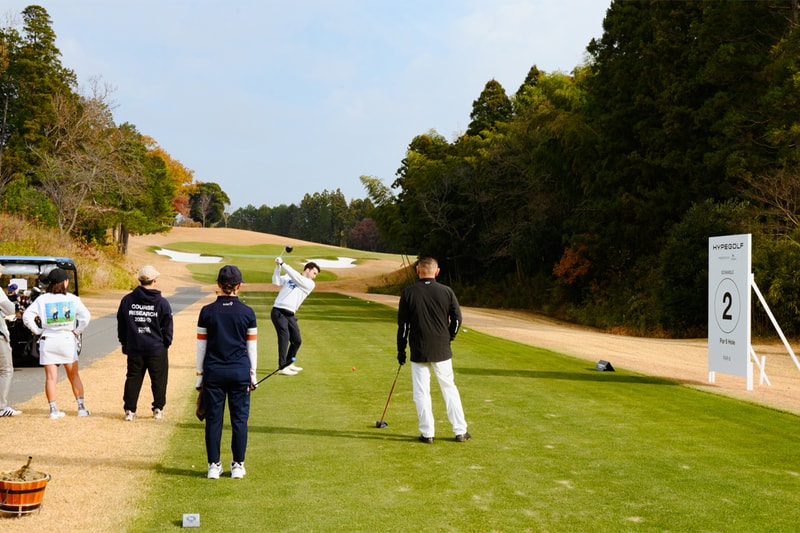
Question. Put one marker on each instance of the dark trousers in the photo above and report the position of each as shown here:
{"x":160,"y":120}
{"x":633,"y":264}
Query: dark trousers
{"x":157,"y":366}
{"x":289,"y":339}
{"x":231,"y":382}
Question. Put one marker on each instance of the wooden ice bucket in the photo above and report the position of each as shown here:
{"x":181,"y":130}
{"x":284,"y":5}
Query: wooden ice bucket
{"x":22,"y":497}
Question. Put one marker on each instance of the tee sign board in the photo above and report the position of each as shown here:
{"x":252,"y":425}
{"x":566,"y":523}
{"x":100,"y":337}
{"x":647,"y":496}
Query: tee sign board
{"x":729,"y":274}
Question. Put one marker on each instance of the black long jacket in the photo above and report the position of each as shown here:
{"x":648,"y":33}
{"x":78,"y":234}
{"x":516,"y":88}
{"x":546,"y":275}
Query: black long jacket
{"x":428,"y":319}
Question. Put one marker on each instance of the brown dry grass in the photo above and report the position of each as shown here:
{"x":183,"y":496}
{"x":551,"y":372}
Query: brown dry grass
{"x":100,"y":464}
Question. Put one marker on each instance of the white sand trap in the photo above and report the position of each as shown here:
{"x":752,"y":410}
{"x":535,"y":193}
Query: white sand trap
{"x":184,"y":257}
{"x":341,"y":262}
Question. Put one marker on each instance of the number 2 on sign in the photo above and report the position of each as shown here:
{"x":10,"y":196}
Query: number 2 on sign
{"x":727,"y":299}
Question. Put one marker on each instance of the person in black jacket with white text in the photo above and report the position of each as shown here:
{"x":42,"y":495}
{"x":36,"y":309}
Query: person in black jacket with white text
{"x":144,"y":329}
{"x":428,"y":319}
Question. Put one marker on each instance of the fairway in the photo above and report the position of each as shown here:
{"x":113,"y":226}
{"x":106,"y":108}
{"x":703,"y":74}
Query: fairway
{"x":557,"y":445}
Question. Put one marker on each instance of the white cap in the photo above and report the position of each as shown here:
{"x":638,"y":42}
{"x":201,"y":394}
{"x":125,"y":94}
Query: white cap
{"x":148,"y":273}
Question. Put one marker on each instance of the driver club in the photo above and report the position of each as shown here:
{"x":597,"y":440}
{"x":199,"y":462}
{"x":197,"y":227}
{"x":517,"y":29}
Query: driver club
{"x":288,"y":251}
{"x":380,"y":423}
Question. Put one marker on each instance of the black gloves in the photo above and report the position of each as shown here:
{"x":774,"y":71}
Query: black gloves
{"x":401,"y":358}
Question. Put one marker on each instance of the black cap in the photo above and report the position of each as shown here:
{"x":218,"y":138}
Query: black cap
{"x":57,"y":275}
{"x":229,"y":275}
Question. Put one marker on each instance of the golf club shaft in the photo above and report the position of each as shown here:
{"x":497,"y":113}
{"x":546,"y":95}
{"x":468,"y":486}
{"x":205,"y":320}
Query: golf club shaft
{"x":272,"y":373}
{"x":288,"y":250}
{"x":390,"y":392}
{"x":268,"y":375}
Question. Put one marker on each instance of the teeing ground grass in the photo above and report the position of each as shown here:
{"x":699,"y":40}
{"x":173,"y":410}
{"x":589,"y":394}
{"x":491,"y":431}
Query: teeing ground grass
{"x":557,"y":446}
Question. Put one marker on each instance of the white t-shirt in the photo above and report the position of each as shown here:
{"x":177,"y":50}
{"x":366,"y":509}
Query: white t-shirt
{"x":63,"y":318}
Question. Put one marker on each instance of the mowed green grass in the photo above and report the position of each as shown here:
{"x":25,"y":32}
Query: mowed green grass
{"x":257,"y":262}
{"x":557,"y":446}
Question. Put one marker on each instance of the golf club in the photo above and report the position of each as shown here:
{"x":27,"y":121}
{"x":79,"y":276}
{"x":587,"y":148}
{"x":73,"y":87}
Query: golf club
{"x":380,"y":423}
{"x":288,"y":251}
{"x":273,"y":372}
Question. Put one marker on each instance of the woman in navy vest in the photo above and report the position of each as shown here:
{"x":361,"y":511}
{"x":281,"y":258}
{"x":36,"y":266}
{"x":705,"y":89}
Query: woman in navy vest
{"x":226,"y":368}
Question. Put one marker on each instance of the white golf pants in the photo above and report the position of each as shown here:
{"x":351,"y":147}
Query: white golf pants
{"x":421,"y":380}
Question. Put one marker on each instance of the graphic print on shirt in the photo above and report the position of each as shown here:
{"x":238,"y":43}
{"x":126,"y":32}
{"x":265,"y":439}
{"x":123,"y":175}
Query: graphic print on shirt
{"x":59,"y":312}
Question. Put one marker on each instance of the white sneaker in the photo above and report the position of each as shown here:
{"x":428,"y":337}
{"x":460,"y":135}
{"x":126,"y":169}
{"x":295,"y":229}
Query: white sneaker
{"x":158,"y":414}
{"x":130,"y":416}
{"x":237,"y":470}
{"x":83,"y":412}
{"x":10,"y":411}
{"x":57,"y":414}
{"x":287,"y":372}
{"x":214,"y":470}
{"x":295,"y":368}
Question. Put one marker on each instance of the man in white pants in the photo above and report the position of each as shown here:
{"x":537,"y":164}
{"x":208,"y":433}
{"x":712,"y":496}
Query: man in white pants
{"x":428,"y":319}
{"x":7,"y":308}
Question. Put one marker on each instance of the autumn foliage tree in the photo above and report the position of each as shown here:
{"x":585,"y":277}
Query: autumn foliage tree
{"x":63,"y":159}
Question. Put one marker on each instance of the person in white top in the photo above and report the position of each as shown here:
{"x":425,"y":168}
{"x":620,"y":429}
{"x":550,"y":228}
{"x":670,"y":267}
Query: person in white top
{"x":59,"y":318}
{"x":7,"y":309}
{"x":295,"y":287}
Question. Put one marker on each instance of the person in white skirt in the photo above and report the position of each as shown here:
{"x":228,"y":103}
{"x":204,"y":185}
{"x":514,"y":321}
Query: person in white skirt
{"x":59,"y":318}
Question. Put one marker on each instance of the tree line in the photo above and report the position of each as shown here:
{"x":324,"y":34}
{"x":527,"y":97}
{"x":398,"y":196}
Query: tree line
{"x":325,"y":217}
{"x":589,"y":196}
{"x":66,"y":164}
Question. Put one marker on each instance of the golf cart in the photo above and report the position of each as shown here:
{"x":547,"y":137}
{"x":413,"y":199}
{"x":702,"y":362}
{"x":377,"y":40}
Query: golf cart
{"x":23,"y":278}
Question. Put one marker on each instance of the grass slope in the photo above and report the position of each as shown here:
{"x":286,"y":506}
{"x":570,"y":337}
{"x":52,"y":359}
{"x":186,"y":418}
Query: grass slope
{"x":557,"y":446}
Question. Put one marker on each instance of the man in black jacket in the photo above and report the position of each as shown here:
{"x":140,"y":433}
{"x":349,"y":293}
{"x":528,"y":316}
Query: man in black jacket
{"x":428,"y":319}
{"x":144,"y":329}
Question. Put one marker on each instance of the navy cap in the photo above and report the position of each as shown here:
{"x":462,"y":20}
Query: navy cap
{"x":229,"y":275}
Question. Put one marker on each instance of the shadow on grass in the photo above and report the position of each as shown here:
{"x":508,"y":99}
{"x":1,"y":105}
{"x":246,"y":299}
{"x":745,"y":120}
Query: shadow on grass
{"x":590,"y":375}
{"x":186,"y":472}
{"x":375,"y":433}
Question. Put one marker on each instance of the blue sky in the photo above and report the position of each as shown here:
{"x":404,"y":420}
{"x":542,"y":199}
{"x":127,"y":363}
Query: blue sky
{"x":273,"y":100}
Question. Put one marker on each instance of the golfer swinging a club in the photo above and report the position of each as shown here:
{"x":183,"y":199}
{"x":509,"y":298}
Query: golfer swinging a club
{"x":428,"y":319}
{"x":295,"y":287}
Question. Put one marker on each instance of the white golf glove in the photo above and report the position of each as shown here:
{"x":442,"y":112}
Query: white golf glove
{"x":253,"y":380}
{"x":279,"y":260}
{"x":199,"y":383}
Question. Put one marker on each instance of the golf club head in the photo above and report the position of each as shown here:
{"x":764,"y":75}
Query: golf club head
{"x":380,"y":424}
{"x":289,"y":249}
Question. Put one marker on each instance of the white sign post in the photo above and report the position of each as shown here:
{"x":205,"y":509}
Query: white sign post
{"x":729,"y":269}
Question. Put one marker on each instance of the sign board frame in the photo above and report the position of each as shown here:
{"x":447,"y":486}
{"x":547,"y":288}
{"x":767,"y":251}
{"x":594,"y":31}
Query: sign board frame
{"x":729,"y":305}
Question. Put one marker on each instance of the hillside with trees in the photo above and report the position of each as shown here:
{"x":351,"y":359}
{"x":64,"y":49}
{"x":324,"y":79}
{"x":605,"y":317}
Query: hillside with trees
{"x":589,"y":196}
{"x":592,"y":196}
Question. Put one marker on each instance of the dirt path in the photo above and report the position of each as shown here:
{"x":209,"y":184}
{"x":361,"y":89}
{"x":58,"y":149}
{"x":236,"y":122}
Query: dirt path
{"x":98,"y":462}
